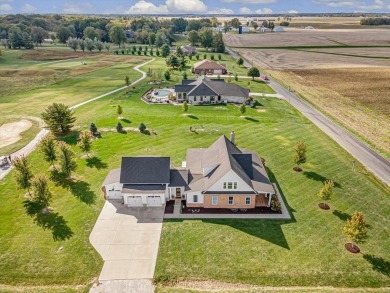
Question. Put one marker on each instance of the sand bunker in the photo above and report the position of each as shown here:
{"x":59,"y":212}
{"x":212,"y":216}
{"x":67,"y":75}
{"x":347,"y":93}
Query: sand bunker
{"x":10,"y":132}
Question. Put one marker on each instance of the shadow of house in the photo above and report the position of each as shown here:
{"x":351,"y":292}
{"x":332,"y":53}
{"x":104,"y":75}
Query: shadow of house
{"x":379,"y":264}
{"x":95,"y":162}
{"x":81,"y":190}
{"x":317,"y":177}
{"x":341,"y":215}
{"x":51,"y":220}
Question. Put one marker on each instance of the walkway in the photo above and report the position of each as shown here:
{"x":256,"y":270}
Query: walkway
{"x":128,"y":240}
{"x":31,"y":146}
{"x":374,"y":162}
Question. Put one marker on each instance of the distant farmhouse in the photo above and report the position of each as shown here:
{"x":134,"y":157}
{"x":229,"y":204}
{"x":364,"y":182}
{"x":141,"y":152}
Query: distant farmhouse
{"x":220,"y":176}
{"x":209,"y":67}
{"x":210,"y":91}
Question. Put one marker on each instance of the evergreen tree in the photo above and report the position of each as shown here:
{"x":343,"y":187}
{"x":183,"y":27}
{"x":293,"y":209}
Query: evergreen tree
{"x":242,"y":108}
{"x":185,"y":106}
{"x":119,"y":110}
{"x":167,"y":75}
{"x":127,"y":80}
{"x":165,"y":50}
{"x":173,"y":61}
{"x":59,"y":118}
{"x":85,"y":142}
{"x":240,"y":61}
{"x":93,"y":128}
{"x":142,"y":127}
{"x":119,"y":127}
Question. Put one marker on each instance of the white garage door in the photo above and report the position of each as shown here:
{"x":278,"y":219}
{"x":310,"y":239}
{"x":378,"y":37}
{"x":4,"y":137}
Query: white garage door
{"x":218,"y":71}
{"x":154,"y":201}
{"x":114,"y":194}
{"x":134,"y":201}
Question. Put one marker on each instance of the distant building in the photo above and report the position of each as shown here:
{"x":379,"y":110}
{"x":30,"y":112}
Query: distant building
{"x":243,"y":29}
{"x":278,"y":29}
{"x":209,"y":67}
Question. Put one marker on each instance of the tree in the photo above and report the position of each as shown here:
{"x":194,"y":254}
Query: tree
{"x":185,"y":106}
{"x":300,"y":154}
{"x":185,"y":75}
{"x":73,"y":43}
{"x":158,"y":53}
{"x":193,"y":37}
{"x":40,"y":187}
{"x":235,"y":22}
{"x":160,"y":40}
{"x":85,"y":142}
{"x":93,"y":128}
{"x":67,"y":159}
{"x":271,"y":25}
{"x":326,"y":191}
{"x":119,"y":110}
{"x":48,"y":146}
{"x":59,"y":118}
{"x":127,"y":80}
{"x":38,"y":35}
{"x":218,"y":44}
{"x":117,"y":35}
{"x":240,"y":61}
{"x":204,"y":56}
{"x":82,"y":44}
{"x":236,"y":76}
{"x":23,"y":173}
{"x":255,"y":25}
{"x":219,"y":57}
{"x":242,"y":108}
{"x":165,"y":50}
{"x":356,"y":228}
{"x":253,"y":72}
{"x":63,"y":34}
{"x":212,"y":57}
{"x":99,"y":45}
{"x":206,"y":37}
{"x":142,"y":127}
{"x":179,"y":52}
{"x":151,"y":38}
{"x":172,"y":60}
{"x":90,"y":33}
{"x":119,"y":127}
{"x":167,"y":75}
{"x":89,"y":44}
{"x":107,"y":46}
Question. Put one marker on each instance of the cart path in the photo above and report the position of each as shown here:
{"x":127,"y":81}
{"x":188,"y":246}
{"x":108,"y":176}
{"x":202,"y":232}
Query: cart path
{"x":374,"y":162}
{"x":32,"y":145}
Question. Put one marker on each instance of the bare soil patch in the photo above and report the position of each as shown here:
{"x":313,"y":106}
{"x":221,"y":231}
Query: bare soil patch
{"x":377,"y":52}
{"x":350,"y":248}
{"x":324,"y":206}
{"x":11,"y":132}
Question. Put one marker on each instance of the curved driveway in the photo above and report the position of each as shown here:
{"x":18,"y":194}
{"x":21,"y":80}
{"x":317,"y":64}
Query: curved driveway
{"x":374,"y":162}
{"x":31,"y":146}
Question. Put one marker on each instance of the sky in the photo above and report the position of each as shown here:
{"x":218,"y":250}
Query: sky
{"x":192,"y":6}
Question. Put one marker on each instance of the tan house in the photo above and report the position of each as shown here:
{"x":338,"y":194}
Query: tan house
{"x":220,"y":176}
{"x":209,"y":67}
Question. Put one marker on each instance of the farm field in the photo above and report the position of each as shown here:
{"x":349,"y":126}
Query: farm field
{"x":310,"y":38}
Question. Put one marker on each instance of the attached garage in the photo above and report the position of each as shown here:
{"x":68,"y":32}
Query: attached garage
{"x":218,"y":71}
{"x":154,"y":200}
{"x":134,"y":201}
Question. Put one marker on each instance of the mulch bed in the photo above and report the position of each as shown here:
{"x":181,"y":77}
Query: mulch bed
{"x":350,"y":248}
{"x":259,"y":210}
{"x":324,"y":206}
{"x":169,"y":207}
{"x":296,"y":169}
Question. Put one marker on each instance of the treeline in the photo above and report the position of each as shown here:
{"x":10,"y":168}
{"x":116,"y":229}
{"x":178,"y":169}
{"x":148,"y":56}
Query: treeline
{"x":375,"y":21}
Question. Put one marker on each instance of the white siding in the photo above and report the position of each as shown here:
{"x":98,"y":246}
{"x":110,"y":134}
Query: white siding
{"x":230,"y":99}
{"x":190,"y":197}
{"x":114,"y":191}
{"x":230,"y":176}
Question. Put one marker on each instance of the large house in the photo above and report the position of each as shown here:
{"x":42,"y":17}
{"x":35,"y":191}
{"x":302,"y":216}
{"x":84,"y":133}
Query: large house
{"x":209,"y":67}
{"x":204,"y":90}
{"x":220,"y":176}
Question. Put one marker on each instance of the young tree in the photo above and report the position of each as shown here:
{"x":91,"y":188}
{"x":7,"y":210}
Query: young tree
{"x":40,"y":187}
{"x":85,"y":142}
{"x":117,"y":35}
{"x":236,"y":76}
{"x":99,"y":45}
{"x":127,"y":80}
{"x":173,"y":61}
{"x":119,"y":127}
{"x":356,"y":228}
{"x":219,"y":57}
{"x":253,"y":72}
{"x":107,"y":46}
{"x":185,"y":75}
{"x":119,"y":110}
{"x":142,"y":127}
{"x":193,"y":37}
{"x":197,"y":56}
{"x":326,"y":191}
{"x":59,"y":118}
{"x":300,"y":154}
{"x":240,"y":61}
{"x":167,"y":75}
{"x":82,"y":44}
{"x":67,"y":159}
{"x":165,"y":50}
{"x":185,"y":106}
{"x":212,"y":57}
{"x":48,"y":146}
{"x":204,"y":56}
{"x":73,"y":43}
{"x":158,"y":53}
{"x":89,"y":44}
{"x":23,"y":173}
{"x":242,"y":108}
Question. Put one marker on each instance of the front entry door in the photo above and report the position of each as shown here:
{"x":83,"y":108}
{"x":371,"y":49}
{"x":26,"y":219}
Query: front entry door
{"x":178,"y":192}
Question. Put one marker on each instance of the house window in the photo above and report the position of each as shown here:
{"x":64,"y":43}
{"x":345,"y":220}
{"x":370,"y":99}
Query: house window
{"x":214,"y":200}
{"x":184,"y":95}
{"x":201,"y":98}
{"x":195,"y":198}
{"x":194,"y":99}
{"x":248,"y":200}
{"x":231,"y":200}
{"x":180,"y":95}
{"x":230,"y":185}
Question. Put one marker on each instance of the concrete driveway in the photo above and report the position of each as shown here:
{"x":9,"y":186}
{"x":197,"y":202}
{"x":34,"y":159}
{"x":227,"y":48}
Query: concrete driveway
{"x":127,"y":239}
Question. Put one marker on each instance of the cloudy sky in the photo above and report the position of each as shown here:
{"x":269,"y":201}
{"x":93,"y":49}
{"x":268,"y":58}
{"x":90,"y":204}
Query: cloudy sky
{"x":191,"y":6}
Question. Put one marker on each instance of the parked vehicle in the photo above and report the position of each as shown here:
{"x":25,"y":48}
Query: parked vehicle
{"x":3,"y":161}
{"x":265,"y":78}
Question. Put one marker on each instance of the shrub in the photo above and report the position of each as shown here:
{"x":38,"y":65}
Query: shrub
{"x":119,"y":127}
{"x":275,"y":204}
{"x":212,"y":57}
{"x":93,"y":128}
{"x":142,"y":127}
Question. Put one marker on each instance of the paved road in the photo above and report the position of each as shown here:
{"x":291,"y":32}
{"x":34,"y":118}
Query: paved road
{"x":31,"y":146}
{"x":378,"y":165}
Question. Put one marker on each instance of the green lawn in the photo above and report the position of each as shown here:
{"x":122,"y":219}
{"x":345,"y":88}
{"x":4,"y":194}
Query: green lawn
{"x":306,"y":251}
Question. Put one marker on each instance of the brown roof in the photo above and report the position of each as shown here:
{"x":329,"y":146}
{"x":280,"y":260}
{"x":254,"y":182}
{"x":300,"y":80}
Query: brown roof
{"x":207,"y":64}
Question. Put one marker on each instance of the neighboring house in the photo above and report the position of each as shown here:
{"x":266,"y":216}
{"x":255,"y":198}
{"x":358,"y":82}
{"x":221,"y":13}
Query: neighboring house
{"x":278,"y":29}
{"x":188,"y":50}
{"x":221,"y":176}
{"x":207,"y":66}
{"x":210,"y":91}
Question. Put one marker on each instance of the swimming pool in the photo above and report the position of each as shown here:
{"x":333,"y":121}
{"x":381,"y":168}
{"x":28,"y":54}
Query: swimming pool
{"x":162,"y":93}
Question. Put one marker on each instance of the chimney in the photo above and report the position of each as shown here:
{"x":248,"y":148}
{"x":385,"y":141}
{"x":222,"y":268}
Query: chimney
{"x":232,"y":137}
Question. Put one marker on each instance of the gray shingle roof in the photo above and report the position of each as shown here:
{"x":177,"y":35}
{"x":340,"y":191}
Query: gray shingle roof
{"x":145,"y":170}
{"x":143,"y":188}
{"x":202,"y":90}
{"x":112,"y":177}
{"x":179,"y":178}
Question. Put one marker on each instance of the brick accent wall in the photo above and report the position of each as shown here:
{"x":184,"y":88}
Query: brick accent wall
{"x":223,"y":201}
{"x":194,"y":205}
